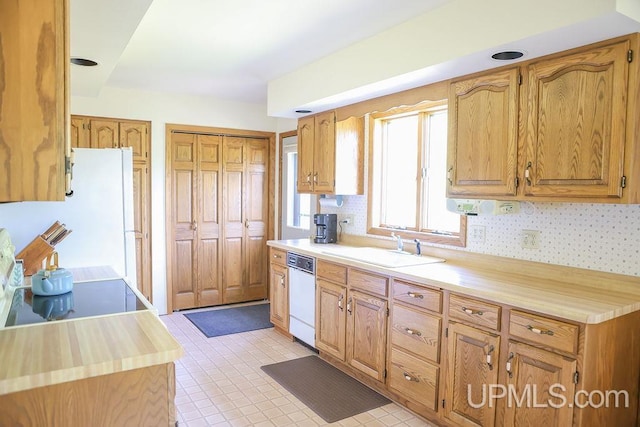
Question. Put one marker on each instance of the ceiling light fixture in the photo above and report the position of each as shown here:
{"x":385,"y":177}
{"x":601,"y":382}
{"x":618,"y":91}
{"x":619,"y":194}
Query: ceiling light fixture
{"x":303,"y":111}
{"x":507,"y":55}
{"x":84,"y":62}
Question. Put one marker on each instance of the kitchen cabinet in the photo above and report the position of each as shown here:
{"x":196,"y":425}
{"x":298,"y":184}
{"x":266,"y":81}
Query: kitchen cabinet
{"x":279,"y":289}
{"x":415,"y":330}
{"x":34,"y":65}
{"x":483,"y":134}
{"x":99,"y":132}
{"x":351,"y":324}
{"x":556,"y":128}
{"x":330,"y":155}
{"x":245,"y":218}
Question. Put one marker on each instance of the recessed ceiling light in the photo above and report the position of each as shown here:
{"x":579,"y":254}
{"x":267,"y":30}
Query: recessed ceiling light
{"x":303,"y":111}
{"x":84,"y":62}
{"x":507,"y":55}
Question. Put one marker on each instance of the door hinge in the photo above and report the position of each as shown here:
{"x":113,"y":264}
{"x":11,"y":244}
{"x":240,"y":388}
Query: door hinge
{"x":517,"y":181}
{"x":387,"y":311}
{"x":629,"y":55}
{"x":519,"y":79}
{"x":446,"y":332}
{"x":623,"y":182}
{"x":384,"y":374}
{"x":443,"y":403}
{"x":576,"y":377}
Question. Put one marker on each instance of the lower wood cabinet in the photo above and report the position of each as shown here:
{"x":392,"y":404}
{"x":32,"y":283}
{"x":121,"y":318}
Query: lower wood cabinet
{"x":331,"y":321}
{"x":472,"y":358}
{"x":279,"y":290}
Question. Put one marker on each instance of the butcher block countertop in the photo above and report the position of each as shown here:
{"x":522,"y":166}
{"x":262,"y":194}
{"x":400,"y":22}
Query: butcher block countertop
{"x":55,"y":352}
{"x":580,"y":295}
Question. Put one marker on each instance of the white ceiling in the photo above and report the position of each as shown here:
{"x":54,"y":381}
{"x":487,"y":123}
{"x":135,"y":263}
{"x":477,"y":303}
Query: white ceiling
{"x":227,"y":49}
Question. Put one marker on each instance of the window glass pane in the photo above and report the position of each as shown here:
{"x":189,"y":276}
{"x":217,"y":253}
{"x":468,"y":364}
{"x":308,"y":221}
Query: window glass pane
{"x":437,"y":216}
{"x":298,"y":205}
{"x":399,"y":171}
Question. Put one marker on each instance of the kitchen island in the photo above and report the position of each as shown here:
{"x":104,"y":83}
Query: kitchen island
{"x":110,"y":370}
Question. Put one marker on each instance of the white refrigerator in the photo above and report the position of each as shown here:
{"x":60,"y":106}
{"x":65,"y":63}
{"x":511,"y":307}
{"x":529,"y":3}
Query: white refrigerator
{"x":99,"y":213}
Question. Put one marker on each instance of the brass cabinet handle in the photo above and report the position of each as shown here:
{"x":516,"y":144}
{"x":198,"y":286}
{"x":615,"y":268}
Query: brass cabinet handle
{"x":194,"y":226}
{"x":410,"y":377}
{"x":315,"y":178}
{"x":309,"y":178}
{"x":246,"y":223}
{"x":489,"y":357}
{"x":349,"y":306}
{"x":340,"y":298}
{"x":449,"y":171}
{"x":277,"y":256}
{"x":415,"y":295}
{"x":413,"y":332}
{"x":282,"y":281}
{"x":508,"y":367}
{"x":527,"y":172}
{"x":471,"y":311}
{"x":540,"y":331}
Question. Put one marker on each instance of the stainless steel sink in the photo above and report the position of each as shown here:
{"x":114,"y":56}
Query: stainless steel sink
{"x":381,"y":257}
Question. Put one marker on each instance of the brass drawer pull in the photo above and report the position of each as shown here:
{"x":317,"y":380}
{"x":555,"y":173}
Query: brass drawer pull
{"x":471,"y":311}
{"x":410,"y":378}
{"x":508,"y":367}
{"x":277,"y":256}
{"x":412,"y":332}
{"x":415,"y":295}
{"x":340,"y":298}
{"x":540,"y":331}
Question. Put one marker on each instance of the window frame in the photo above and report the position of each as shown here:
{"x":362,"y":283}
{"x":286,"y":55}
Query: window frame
{"x":453,"y":239}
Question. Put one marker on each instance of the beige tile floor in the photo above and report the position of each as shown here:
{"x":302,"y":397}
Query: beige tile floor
{"x":219,"y":382}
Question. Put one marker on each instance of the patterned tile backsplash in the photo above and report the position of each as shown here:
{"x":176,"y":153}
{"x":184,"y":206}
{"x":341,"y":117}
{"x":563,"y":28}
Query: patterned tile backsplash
{"x":585,"y":235}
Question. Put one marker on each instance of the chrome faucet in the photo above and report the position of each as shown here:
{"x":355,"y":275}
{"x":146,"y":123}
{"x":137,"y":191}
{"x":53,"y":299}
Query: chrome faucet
{"x":418,"y":250}
{"x":400,"y":244}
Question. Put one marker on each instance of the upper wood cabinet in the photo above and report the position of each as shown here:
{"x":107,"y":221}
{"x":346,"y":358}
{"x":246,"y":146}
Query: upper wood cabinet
{"x":483,"y":134}
{"x":576,"y":116}
{"x":34,"y":115}
{"x":94,"y":132}
{"x":330,"y":154}
{"x":558,"y":128}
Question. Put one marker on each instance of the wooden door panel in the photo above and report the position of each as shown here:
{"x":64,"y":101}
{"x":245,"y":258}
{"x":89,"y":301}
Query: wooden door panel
{"x":324,"y":153}
{"x":184,"y":280}
{"x":208,"y":272}
{"x":576,"y":126}
{"x":104,"y":134}
{"x":184,"y":215}
{"x":366,"y":334}
{"x":136,"y":136}
{"x":483,"y":134}
{"x":233,"y":197}
{"x":232,"y":270}
{"x":256,"y":263}
{"x":80,"y":137}
{"x":468,"y":375}
{"x":331,"y":302}
{"x":140,"y":227}
{"x":279,"y":298}
{"x":306,"y":137}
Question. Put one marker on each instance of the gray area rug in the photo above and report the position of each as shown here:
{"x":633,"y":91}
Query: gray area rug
{"x":233,"y":320}
{"x":326,"y":390}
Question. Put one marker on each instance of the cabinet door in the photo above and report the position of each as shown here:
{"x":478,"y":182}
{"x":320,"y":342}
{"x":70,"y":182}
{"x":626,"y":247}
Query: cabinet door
{"x":483,"y":135}
{"x":33,"y":99}
{"x":105,"y":133}
{"x":331,"y":302}
{"x":576,"y":124}
{"x":324,"y":153}
{"x":471,"y":368}
{"x":539,"y":378}
{"x":80,"y":137}
{"x":279,"y":298}
{"x":367,"y":334}
{"x":140,"y":224}
{"x":136,"y":136}
{"x":306,"y":135}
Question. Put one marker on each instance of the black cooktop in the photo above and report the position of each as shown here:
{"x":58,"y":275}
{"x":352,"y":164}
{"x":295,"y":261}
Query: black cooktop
{"x":85,"y":300}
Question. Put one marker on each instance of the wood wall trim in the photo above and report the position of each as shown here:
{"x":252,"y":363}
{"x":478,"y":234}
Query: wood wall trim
{"x":171,"y":127}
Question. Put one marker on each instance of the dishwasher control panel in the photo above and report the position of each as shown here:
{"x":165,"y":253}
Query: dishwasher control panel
{"x":301,"y":262}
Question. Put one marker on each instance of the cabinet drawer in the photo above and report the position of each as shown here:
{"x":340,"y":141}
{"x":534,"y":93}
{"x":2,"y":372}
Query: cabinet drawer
{"x":473,"y":311}
{"x":416,"y":332}
{"x":368,"y":282}
{"x":548,"y":332}
{"x":278,"y":256}
{"x":333,"y":272}
{"x":413,"y":379}
{"x":418,"y":296}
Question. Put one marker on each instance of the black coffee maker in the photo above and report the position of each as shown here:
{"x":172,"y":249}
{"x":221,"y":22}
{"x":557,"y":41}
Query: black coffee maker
{"x":326,"y":228}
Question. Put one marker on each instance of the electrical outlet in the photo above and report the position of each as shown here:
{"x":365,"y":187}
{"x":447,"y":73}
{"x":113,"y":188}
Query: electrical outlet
{"x":530,"y":239}
{"x":346,"y":219}
{"x":477,"y":233}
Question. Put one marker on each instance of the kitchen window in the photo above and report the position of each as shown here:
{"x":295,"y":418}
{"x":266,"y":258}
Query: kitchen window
{"x":407,"y":176}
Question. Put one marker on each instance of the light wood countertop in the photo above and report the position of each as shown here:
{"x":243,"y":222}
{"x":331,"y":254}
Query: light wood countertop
{"x":580,"y":295}
{"x":50,"y":353}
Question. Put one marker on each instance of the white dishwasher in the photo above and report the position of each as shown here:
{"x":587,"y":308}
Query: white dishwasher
{"x":302,"y":297}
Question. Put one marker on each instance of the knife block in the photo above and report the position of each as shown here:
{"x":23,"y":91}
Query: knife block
{"x":34,"y":254}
